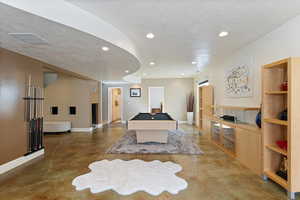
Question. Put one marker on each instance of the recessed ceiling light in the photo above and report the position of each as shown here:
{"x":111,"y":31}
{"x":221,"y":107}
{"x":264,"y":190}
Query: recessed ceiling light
{"x":152,"y":63}
{"x":104,"y":48}
{"x":127,"y":71}
{"x":194,"y":63}
{"x":223,"y":34}
{"x":150,"y":35}
{"x":182,"y":74}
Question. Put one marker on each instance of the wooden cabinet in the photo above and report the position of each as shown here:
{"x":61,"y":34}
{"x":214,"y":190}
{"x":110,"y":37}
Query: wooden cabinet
{"x":241,"y":141}
{"x":223,"y":135}
{"x":248,"y":149}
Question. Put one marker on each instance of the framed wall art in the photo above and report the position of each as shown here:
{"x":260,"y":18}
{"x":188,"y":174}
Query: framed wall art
{"x":135,"y":92}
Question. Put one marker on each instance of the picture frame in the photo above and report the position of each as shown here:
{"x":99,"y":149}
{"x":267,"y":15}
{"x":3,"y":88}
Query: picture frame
{"x":135,"y":92}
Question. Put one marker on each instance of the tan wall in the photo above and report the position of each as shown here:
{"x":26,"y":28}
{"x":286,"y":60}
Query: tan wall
{"x":71,"y":91}
{"x":14,"y":72}
{"x":176,"y":92}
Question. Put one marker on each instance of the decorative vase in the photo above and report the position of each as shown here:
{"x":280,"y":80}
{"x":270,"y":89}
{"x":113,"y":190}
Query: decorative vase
{"x":284,"y":86}
{"x":190,"y":117}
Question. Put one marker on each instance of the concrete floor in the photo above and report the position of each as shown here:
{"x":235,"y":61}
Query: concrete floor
{"x":212,"y":176}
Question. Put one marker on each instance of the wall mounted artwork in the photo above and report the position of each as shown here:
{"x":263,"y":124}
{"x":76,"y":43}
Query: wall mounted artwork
{"x":135,"y":92}
{"x":238,"y":82}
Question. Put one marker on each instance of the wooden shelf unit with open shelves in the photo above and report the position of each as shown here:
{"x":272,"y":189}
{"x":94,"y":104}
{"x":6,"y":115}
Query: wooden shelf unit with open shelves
{"x":274,"y":129}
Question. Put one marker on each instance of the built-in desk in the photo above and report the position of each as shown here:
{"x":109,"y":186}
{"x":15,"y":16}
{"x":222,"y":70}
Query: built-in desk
{"x":239,"y":140}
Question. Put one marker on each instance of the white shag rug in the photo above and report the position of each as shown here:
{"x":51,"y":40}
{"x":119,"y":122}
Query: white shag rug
{"x":127,"y":177}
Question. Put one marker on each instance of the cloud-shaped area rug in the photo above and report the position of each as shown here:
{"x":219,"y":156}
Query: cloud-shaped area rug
{"x":127,"y":177}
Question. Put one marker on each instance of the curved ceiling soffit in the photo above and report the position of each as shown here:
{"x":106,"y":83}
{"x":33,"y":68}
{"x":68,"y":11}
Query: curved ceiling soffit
{"x":133,"y":78}
{"x":55,"y":10}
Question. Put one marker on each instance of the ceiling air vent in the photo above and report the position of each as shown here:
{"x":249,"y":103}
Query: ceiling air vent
{"x":29,"y":38}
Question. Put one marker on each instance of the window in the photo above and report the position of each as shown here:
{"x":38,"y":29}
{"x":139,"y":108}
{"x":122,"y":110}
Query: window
{"x":54,"y":110}
{"x":72,"y":110}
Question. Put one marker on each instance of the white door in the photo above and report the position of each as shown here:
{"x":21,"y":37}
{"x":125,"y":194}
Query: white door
{"x":156,"y":98}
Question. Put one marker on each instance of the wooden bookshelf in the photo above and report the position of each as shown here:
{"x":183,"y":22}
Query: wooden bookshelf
{"x":274,"y":129}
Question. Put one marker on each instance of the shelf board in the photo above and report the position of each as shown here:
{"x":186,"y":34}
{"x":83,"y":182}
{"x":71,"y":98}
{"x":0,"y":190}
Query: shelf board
{"x":277,"y":149}
{"x":236,"y":107}
{"x":279,"y":64}
{"x":276,"y":179}
{"x":276,"y":121}
{"x":276,"y":92}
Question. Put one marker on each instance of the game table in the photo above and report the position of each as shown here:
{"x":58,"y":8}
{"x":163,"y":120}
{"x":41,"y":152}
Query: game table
{"x":152,"y":127}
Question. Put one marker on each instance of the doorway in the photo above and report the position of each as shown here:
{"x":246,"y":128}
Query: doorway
{"x":95,"y":108}
{"x":115,"y":104}
{"x":205,"y":110}
{"x":156,"y":99}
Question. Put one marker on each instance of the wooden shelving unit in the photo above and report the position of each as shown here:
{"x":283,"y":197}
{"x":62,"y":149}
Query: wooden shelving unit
{"x":274,"y":102}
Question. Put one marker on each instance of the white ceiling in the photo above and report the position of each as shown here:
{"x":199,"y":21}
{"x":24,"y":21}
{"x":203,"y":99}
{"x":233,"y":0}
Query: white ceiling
{"x":72,"y":47}
{"x":185,"y":31}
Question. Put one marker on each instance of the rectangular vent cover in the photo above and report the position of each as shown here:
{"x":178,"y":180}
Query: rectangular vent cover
{"x":29,"y":38}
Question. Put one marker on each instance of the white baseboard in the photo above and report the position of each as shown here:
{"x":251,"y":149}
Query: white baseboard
{"x":19,"y":161}
{"x":104,"y":123}
{"x":182,"y":122}
{"x":82,"y":129}
{"x":99,"y":125}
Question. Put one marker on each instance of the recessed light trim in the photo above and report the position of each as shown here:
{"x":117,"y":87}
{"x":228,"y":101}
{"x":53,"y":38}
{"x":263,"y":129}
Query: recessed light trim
{"x":223,"y":34}
{"x":194,"y":63}
{"x":152,"y":63}
{"x":127,"y":71}
{"x":150,"y":35}
{"x":105,"y":48}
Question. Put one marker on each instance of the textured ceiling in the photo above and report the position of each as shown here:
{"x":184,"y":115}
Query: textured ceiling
{"x":187,"y":30}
